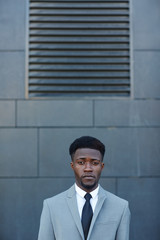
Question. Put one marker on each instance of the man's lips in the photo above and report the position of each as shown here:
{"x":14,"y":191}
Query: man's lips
{"x":88,"y":176}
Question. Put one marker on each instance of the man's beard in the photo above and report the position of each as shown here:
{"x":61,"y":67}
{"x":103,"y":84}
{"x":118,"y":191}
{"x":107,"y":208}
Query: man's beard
{"x":88,"y":186}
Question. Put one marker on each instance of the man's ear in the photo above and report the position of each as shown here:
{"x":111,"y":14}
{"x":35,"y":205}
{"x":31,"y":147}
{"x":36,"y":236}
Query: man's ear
{"x":71,"y":164}
{"x":102,"y":165}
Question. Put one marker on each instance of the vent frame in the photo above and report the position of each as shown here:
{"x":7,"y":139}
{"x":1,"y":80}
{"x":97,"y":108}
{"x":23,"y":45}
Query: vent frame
{"x":94,"y":59}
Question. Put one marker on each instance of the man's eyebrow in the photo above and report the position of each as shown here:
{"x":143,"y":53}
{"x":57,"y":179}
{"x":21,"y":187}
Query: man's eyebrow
{"x":82,"y":158}
{"x":95,"y":159}
{"x":92,"y":159}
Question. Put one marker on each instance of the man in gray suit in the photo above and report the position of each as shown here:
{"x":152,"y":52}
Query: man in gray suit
{"x":86,"y":210}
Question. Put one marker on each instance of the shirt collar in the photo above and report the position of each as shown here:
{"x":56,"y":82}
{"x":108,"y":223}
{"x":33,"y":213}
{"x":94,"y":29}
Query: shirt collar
{"x":82,"y":193}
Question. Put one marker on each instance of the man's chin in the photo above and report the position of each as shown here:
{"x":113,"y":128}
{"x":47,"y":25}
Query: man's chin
{"x":88,"y":186}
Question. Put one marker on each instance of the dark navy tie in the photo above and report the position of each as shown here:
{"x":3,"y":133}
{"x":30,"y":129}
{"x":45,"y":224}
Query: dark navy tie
{"x":87,"y":214}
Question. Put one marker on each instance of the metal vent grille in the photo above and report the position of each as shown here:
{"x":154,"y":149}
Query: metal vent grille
{"x":79,"y":48}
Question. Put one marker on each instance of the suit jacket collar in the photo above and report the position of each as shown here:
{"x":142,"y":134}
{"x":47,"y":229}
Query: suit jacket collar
{"x":101,"y":198}
{"x":72,"y":203}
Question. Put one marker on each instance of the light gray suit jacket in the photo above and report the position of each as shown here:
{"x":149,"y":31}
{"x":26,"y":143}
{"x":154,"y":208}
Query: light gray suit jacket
{"x":60,"y":218}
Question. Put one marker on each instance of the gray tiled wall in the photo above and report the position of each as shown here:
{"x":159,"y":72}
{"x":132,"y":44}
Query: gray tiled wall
{"x":13,"y":25}
{"x":12,"y":65}
{"x":146,"y":74}
{"x":144,"y":198}
{"x":145,"y":20}
{"x":35,"y":134}
{"x":54,"y":113}
{"x":18,"y":149}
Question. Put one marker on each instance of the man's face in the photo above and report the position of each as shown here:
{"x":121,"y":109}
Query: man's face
{"x":87,"y":166}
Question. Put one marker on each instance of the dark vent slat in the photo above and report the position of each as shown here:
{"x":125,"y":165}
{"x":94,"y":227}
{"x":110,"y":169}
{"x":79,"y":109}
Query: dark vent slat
{"x":75,"y":32}
{"x":80,"y":81}
{"x":80,"y":46}
{"x":79,"y":60}
{"x":79,"y":39}
{"x":80,"y":4}
{"x":47,"y":1}
{"x":76,"y":26}
{"x":80,"y":67}
{"x":75,"y":12}
{"x":110,"y":53}
{"x":84,"y":74}
{"x":107,"y":19}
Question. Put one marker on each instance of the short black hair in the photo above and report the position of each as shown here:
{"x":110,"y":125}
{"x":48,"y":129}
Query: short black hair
{"x":87,"y":142}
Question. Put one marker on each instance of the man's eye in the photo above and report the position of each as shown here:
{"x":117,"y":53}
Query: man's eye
{"x":80,"y":162}
{"x":95,"y":163}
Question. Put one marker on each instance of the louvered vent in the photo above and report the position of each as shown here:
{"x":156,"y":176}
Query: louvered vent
{"x":79,"y":48}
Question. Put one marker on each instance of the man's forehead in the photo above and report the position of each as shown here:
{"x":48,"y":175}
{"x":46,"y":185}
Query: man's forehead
{"x":87,"y":152}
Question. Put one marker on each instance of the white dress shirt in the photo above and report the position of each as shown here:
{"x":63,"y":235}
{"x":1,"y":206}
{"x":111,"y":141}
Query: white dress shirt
{"x":81,"y":200}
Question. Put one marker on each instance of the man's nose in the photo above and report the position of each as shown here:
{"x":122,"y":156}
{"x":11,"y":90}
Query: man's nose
{"x":88,"y":166}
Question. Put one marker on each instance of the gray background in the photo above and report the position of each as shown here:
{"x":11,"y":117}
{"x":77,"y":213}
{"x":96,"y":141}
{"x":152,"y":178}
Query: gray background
{"x":35,"y":134}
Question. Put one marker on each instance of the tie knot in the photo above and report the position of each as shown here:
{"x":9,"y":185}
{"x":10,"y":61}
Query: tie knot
{"x":88,"y":196}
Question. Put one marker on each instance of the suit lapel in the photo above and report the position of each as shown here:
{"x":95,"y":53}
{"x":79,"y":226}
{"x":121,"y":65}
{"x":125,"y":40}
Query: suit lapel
{"x":101,"y":199}
{"x":72,"y":204}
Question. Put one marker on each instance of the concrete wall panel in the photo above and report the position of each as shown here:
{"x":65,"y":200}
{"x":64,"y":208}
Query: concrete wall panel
{"x":12,"y":76}
{"x":12,"y":24}
{"x":148,"y":141}
{"x":7,"y":113}
{"x":18,"y":152}
{"x":146,"y":74}
{"x":144,"y":197}
{"x":55,"y":113}
{"x":145,"y":20}
{"x":127,"y":113}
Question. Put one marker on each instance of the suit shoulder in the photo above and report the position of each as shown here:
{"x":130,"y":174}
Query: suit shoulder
{"x":115,"y":199}
{"x":55,"y":198}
